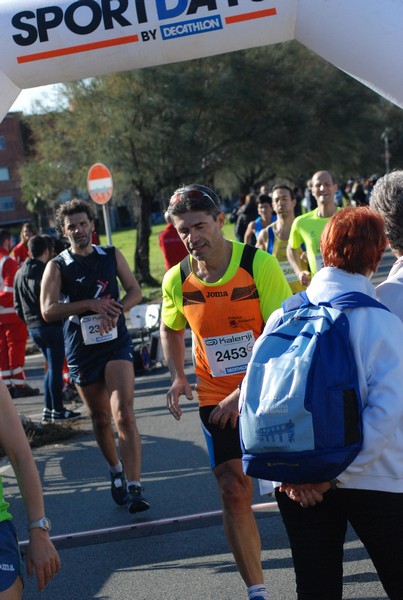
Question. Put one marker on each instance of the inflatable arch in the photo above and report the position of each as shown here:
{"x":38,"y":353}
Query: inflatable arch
{"x":45,"y":41}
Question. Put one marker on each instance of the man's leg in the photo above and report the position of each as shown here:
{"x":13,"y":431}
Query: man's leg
{"x":54,"y":350}
{"x":119,"y":381}
{"x":96,"y":398}
{"x":38,"y":340}
{"x":17,"y":335}
{"x":239,"y":522}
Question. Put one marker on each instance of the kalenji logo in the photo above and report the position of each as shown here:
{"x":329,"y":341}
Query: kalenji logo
{"x":85,"y":17}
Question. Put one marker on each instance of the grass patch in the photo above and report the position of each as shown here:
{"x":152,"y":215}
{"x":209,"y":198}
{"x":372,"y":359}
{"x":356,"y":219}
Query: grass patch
{"x":43,"y":435}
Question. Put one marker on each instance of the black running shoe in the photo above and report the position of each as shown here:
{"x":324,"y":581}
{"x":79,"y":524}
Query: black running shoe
{"x":119,"y":488}
{"x":135,"y":499}
{"x":65,"y":416}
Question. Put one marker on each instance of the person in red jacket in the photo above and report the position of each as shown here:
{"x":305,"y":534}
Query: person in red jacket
{"x":20,"y":251}
{"x":172,"y":247}
{"x":13,"y":331}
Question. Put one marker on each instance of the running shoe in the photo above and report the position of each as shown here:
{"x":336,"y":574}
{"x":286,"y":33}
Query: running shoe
{"x":65,"y":416}
{"x":46,"y":416}
{"x":119,"y":488}
{"x":135,"y":499}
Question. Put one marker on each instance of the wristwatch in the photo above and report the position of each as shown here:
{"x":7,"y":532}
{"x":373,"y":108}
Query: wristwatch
{"x":334,"y":484}
{"x":43,"y":523}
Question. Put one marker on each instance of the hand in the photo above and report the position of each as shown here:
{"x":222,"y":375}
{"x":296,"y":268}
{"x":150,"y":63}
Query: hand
{"x":226,"y":410}
{"x":306,"y":494}
{"x":42,"y":557}
{"x":107,"y":307}
{"x":107,"y":324}
{"x":304,"y":278}
{"x":179,"y":387}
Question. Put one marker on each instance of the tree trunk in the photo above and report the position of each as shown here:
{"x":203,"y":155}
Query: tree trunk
{"x":142,"y":252}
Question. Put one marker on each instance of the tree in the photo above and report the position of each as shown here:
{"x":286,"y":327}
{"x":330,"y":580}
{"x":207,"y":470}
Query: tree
{"x":233,"y":121}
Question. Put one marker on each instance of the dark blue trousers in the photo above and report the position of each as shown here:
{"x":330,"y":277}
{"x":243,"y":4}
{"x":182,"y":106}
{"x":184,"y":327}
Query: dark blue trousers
{"x":50,"y":342}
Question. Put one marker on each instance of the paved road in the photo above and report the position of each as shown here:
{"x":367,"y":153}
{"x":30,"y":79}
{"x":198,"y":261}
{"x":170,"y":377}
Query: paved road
{"x":177,"y":550}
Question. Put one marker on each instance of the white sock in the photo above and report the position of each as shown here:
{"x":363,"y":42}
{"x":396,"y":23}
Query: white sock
{"x":118,"y":468}
{"x":137,"y":483}
{"x":259,"y":590}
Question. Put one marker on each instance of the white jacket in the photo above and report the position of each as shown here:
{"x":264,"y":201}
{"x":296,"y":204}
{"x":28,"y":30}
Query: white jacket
{"x":376,"y":337}
{"x":390,"y":291}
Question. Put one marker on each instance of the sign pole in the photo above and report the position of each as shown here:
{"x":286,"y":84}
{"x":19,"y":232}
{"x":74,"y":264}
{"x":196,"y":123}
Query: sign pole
{"x":105,"y":211}
{"x":100,"y":188}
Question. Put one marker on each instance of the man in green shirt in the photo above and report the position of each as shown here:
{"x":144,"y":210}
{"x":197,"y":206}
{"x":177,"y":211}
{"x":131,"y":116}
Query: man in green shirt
{"x":307,"y":228}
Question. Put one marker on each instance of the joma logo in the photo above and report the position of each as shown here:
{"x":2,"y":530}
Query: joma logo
{"x":216,"y":294}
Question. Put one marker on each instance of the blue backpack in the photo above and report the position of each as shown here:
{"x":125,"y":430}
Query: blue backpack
{"x":300,"y":404}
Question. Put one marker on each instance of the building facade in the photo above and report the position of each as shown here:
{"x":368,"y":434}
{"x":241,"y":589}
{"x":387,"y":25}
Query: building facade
{"x":13,"y":150}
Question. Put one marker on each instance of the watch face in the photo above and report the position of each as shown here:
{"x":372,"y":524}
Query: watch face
{"x":43,"y":523}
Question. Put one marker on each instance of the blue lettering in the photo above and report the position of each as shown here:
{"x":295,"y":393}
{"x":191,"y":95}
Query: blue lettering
{"x":196,"y":4}
{"x":170,"y":13}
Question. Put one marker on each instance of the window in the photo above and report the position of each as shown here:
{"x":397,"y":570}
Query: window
{"x":4,"y":174}
{"x":6,"y":203}
{"x":2,"y":142}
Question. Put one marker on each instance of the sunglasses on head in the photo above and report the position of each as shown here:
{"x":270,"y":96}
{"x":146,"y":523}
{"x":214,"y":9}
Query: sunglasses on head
{"x":192,"y":195}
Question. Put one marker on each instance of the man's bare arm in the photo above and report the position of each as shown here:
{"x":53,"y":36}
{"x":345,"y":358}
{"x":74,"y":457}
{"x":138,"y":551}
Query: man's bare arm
{"x":261,"y":241}
{"x":249,"y":233}
{"x":293,"y":255}
{"x":174,"y":351}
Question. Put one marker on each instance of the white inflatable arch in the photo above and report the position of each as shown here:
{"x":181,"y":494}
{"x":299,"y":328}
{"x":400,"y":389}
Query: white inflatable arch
{"x":45,"y":41}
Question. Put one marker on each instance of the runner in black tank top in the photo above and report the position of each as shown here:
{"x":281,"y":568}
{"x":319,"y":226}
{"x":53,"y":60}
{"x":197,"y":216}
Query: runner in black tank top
{"x":80,"y":286}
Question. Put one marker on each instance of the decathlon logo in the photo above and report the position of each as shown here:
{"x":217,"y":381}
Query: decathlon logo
{"x":191,"y":27}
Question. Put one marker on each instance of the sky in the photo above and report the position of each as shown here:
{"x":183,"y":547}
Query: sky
{"x":26,"y":100}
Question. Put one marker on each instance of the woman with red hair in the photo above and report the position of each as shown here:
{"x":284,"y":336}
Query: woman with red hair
{"x":368,"y":494}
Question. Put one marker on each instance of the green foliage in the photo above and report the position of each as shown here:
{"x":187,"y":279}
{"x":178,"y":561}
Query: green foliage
{"x":243,"y":118}
{"x":233,"y":121}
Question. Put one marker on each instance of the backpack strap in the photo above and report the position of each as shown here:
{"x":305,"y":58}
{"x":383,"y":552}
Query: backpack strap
{"x":248,"y":255}
{"x":341,"y":302}
{"x":295,"y":301}
{"x":356,"y":300}
{"x":270,"y":241}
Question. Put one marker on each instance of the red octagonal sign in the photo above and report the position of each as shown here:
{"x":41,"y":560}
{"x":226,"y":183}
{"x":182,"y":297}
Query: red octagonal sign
{"x":99,"y":183}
